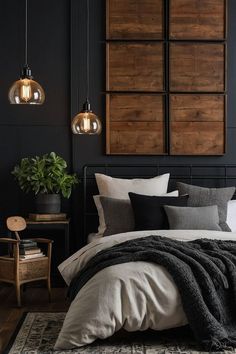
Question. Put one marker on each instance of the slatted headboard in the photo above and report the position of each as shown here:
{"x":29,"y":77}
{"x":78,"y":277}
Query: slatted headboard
{"x":202,"y":175}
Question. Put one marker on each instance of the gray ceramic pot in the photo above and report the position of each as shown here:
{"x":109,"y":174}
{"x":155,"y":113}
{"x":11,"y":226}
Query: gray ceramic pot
{"x":48,"y":203}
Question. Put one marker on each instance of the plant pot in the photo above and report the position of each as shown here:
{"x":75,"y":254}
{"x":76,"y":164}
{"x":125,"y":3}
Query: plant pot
{"x":48,"y":203}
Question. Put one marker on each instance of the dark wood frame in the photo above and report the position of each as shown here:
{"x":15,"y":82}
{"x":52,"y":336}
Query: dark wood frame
{"x":166,"y":40}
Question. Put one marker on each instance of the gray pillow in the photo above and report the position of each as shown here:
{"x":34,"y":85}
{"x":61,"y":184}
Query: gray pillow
{"x":118,"y":215}
{"x":196,"y":218}
{"x":201,"y":196}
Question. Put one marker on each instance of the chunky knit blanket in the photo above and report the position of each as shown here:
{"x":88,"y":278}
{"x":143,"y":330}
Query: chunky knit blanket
{"x":204,"y":272}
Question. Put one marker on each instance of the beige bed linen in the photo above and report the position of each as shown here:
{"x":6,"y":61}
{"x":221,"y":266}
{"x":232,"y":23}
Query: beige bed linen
{"x":134,"y":296}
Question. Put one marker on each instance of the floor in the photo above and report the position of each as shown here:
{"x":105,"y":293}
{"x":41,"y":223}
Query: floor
{"x":33,"y":299}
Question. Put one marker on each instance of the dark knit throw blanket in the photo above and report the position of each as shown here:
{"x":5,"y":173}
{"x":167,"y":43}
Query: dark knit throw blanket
{"x":204,"y":272}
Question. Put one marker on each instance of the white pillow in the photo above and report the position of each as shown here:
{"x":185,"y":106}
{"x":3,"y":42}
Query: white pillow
{"x":119,"y":188}
{"x":231,"y":215}
{"x":102,"y":223}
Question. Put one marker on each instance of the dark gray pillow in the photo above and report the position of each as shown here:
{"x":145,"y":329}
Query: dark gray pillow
{"x":118,"y":215}
{"x":201,"y":196}
{"x":193,"y":218}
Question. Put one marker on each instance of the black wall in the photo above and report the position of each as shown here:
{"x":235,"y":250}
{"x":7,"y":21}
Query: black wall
{"x":57,"y":57}
{"x":29,"y":130}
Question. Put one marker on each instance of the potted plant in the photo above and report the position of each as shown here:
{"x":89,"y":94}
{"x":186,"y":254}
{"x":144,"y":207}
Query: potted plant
{"x":47,"y":178}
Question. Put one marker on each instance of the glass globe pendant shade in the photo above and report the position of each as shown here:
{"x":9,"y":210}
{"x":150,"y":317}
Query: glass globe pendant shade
{"x":86,"y":122}
{"x":26,"y":90}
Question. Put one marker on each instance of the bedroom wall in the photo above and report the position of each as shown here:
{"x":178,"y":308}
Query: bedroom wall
{"x":29,"y":130}
{"x":56,"y":45}
{"x":90,"y":150}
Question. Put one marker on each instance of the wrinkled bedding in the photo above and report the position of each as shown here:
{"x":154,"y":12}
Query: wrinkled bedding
{"x":134,"y":296}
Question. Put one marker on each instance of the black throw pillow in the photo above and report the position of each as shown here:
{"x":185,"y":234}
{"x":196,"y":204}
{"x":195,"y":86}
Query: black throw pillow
{"x":149,"y":213}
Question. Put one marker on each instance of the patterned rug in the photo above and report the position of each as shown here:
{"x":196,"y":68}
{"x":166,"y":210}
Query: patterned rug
{"x":37,"y":333}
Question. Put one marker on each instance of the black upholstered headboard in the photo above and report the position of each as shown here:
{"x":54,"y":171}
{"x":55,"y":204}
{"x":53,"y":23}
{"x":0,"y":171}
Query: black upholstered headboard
{"x":202,"y":175}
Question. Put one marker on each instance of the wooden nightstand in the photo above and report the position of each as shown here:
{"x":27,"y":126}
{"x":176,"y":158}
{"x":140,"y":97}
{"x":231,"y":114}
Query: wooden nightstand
{"x":53,"y":225}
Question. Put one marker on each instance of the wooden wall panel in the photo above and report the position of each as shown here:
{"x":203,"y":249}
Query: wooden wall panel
{"x":129,"y":19}
{"x":141,"y":138}
{"x":197,"y":124}
{"x":181,"y":62}
{"x":197,"y":138}
{"x":197,"y":67}
{"x":197,"y":19}
{"x":135,"y":124}
{"x":197,"y":108}
{"x":135,"y":107}
{"x":135,"y":67}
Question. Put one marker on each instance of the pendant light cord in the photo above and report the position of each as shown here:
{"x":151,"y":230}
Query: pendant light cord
{"x":26,"y":32}
{"x":87,"y":55}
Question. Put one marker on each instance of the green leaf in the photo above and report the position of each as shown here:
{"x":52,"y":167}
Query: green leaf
{"x":45,"y":174}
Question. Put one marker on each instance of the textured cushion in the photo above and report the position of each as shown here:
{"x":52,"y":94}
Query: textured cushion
{"x":149,"y":213}
{"x":200,"y":196}
{"x":111,"y":214}
{"x":115,"y":215}
{"x":231,"y":215}
{"x":118,"y":215}
{"x":119,"y":187}
{"x":193,"y":218}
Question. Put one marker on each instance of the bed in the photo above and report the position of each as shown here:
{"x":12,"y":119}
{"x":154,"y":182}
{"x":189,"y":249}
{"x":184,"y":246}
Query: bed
{"x":137,"y":295}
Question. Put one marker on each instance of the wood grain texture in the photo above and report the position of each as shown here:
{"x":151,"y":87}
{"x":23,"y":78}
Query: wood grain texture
{"x":197,"y":138}
{"x":135,"y":107}
{"x":197,"y":19}
{"x":197,"y":78}
{"x":135,"y":67}
{"x":136,"y":138}
{"x":197,"y":67}
{"x":197,"y":108}
{"x":18,"y":271}
{"x":129,"y":19}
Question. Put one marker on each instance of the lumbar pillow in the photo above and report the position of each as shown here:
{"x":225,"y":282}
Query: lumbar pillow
{"x":116,"y":215}
{"x":149,"y":213}
{"x":201,"y":196}
{"x":119,"y":187}
{"x":193,"y":218}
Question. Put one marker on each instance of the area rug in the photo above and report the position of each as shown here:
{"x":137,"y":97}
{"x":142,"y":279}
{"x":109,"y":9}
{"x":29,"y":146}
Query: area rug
{"x":38,"y":331}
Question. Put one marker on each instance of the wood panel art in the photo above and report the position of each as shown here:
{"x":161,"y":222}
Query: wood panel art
{"x":197,"y":124}
{"x":194,"y":19}
{"x":197,"y":108}
{"x":197,"y":67}
{"x":142,"y":138}
{"x":166,"y":77}
{"x":135,"y":107}
{"x":135,"y":124}
{"x":197,"y":138}
{"x":129,"y":19}
{"x":135,"y":67}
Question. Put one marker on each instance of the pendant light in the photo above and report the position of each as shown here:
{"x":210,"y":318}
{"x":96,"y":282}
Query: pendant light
{"x":26,"y":90}
{"x":86,"y":122}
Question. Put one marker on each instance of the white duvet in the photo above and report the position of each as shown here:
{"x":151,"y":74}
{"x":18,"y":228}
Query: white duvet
{"x":134,"y":296}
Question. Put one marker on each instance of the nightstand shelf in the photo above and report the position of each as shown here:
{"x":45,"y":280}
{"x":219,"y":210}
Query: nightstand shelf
{"x":63,"y":225}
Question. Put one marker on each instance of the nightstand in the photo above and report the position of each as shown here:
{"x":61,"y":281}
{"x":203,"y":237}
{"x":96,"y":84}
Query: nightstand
{"x":53,"y":225}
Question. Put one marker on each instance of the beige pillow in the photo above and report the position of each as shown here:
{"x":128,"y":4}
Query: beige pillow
{"x":119,"y":187}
